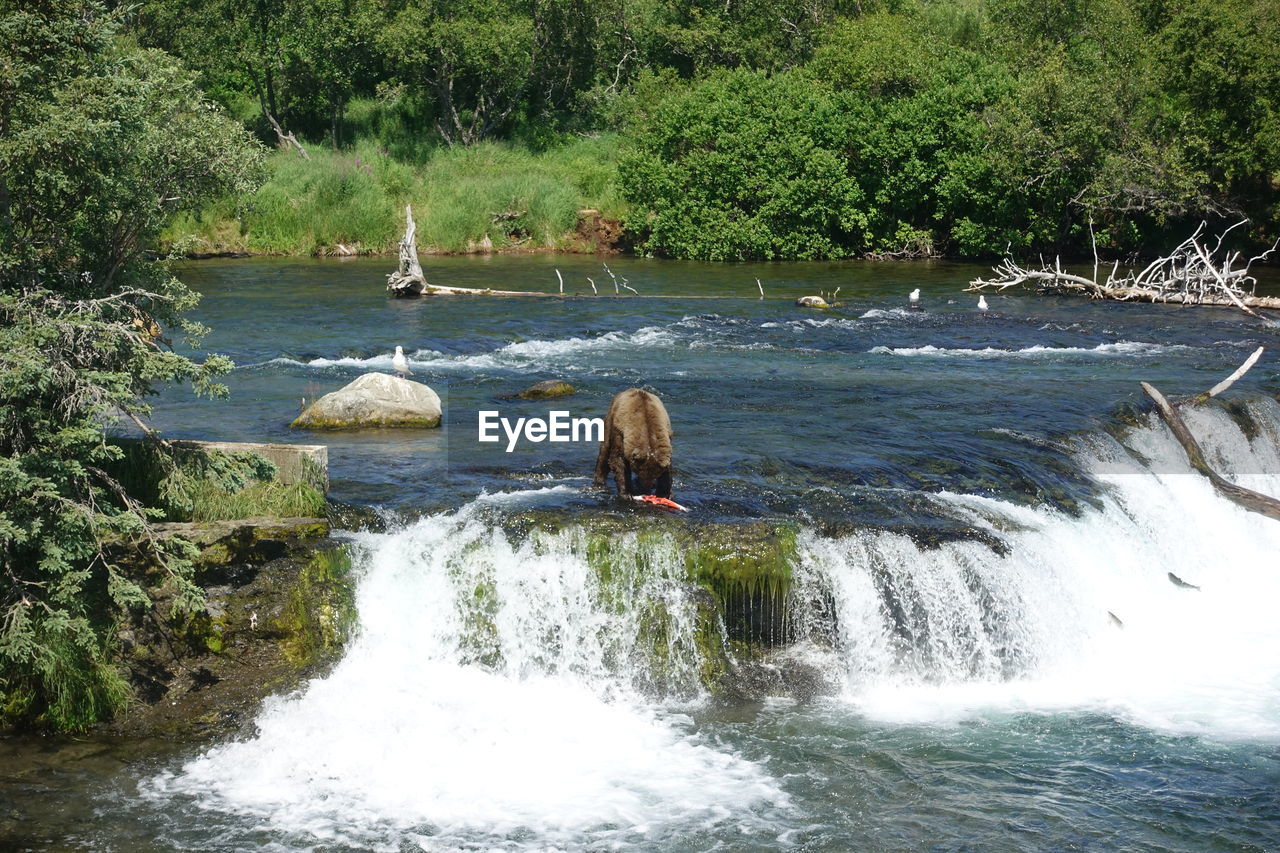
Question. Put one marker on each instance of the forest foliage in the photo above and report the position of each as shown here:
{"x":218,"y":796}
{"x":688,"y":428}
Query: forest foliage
{"x":775,"y":129}
{"x":100,"y":142}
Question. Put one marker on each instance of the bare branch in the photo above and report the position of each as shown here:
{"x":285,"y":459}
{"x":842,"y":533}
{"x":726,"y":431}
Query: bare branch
{"x":1240,"y":371}
{"x":1190,"y":275}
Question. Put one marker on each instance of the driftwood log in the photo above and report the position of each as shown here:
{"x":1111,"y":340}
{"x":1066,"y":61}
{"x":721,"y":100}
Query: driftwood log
{"x":1192,"y":274}
{"x":1247,"y":498}
{"x":409,"y":279}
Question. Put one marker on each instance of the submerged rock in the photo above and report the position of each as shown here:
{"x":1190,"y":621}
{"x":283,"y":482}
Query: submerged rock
{"x":374,"y":400}
{"x":547,"y":390}
{"x":802,"y":671}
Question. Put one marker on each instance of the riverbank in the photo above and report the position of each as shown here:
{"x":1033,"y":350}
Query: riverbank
{"x":493,"y":197}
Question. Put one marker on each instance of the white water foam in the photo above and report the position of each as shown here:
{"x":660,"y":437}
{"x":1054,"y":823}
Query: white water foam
{"x":694,"y":331}
{"x":893,"y":314}
{"x":941,"y":635}
{"x":1117,"y":348}
{"x":489,"y":700}
{"x":494,"y":698}
{"x":522,"y":497}
{"x":520,"y":356}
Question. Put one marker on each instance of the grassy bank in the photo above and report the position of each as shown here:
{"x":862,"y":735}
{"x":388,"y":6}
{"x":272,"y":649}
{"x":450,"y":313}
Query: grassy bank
{"x":515,"y":197}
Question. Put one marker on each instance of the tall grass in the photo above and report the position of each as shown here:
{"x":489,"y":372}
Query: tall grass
{"x":197,"y":484}
{"x":514,"y":196}
{"x":270,"y":499}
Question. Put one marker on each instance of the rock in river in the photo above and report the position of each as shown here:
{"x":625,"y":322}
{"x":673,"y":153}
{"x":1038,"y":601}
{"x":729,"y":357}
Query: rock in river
{"x":547,"y":389}
{"x":374,"y":400}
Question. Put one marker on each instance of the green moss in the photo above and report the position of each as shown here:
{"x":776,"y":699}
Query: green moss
{"x":728,"y":559}
{"x":757,"y":560}
{"x":304,"y":421}
{"x":250,"y":542}
{"x":479,"y":643}
{"x":203,"y":632}
{"x":714,"y":665}
{"x":321,"y":611}
{"x":547,"y":391}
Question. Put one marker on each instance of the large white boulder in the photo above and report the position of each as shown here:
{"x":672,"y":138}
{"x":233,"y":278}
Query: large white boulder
{"x":374,"y":400}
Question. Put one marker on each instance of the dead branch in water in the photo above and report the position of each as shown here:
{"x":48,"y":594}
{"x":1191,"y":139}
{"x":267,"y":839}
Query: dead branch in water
{"x":1191,"y":274}
{"x":409,"y":279}
{"x":1247,"y":498}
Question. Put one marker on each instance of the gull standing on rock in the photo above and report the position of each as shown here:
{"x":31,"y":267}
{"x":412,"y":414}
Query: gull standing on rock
{"x":915,"y":298}
{"x":400,"y":364}
{"x":982,"y":303}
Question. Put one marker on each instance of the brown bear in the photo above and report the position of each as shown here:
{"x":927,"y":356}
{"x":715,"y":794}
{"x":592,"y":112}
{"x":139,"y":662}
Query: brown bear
{"x":637,"y":440}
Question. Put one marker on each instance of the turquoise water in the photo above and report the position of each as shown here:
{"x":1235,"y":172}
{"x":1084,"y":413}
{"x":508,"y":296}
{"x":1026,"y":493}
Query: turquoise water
{"x":772,"y":404}
{"x":977,"y":695}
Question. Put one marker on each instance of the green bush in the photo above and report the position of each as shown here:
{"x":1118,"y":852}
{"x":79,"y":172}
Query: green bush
{"x":742,"y":166}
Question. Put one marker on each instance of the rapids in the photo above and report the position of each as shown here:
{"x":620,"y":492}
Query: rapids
{"x":985,"y":514}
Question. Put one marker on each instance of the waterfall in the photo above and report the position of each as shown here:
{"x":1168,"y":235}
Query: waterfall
{"x":1078,"y":612}
{"x":521,"y":692}
{"x":495,"y":690}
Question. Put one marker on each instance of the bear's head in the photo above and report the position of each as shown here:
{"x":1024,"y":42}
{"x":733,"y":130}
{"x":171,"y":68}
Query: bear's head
{"x":648,"y":470}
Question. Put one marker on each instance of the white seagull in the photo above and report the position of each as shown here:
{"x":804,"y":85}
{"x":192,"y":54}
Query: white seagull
{"x":982,"y":302}
{"x":915,"y":297}
{"x":400,"y":364}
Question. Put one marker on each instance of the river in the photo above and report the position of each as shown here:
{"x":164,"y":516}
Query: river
{"x":980,"y":498}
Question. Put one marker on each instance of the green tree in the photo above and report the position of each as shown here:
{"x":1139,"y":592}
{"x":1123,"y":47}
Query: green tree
{"x":474,"y":60}
{"x":99,"y":144}
{"x":285,"y":63}
{"x":698,"y":36}
{"x":741,"y":166}
{"x":1221,"y":77}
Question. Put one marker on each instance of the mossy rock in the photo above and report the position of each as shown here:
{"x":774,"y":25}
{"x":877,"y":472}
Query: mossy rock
{"x":374,"y":400}
{"x":548,"y":389}
{"x":747,"y":567}
{"x":264,"y":629}
{"x":321,"y":609}
{"x":227,"y":547}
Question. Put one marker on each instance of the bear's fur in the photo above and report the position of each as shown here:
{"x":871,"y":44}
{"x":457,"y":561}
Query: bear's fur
{"x":637,"y":440}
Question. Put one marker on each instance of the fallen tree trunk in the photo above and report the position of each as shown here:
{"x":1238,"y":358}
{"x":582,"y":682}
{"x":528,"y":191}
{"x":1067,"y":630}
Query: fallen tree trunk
{"x":1239,"y":495}
{"x":1190,"y":275}
{"x":409,"y":279}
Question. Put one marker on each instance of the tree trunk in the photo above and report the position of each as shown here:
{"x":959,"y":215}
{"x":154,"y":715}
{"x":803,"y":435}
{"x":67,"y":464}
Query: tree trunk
{"x":1247,"y":498}
{"x":409,"y":280}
